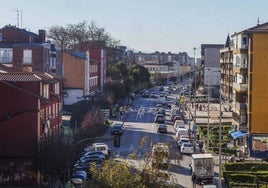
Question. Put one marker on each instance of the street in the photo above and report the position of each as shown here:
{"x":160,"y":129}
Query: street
{"x":140,"y":133}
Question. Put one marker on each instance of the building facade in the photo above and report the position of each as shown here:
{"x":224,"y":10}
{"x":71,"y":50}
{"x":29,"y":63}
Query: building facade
{"x":250,"y":96}
{"x":210,"y":61}
{"x":30,"y":111}
{"x":19,"y":47}
{"x":85,"y":74}
{"x":226,"y":63}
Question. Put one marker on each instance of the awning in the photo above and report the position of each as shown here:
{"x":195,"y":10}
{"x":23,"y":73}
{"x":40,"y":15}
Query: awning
{"x":238,"y":134}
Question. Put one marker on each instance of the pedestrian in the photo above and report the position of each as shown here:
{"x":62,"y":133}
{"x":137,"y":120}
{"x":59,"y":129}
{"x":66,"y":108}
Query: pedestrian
{"x":121,"y":115}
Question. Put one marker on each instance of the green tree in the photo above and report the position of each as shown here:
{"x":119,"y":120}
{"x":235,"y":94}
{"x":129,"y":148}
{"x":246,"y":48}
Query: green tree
{"x":139,"y":77}
{"x":115,"y":91}
{"x":116,"y":175}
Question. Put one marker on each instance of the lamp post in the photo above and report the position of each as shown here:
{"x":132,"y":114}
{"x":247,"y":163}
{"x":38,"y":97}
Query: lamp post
{"x":194,"y":88}
{"x":208,"y":117}
{"x":220,"y":140}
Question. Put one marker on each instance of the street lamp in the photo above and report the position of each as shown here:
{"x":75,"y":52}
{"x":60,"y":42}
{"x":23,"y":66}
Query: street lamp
{"x":194,"y":88}
{"x":220,"y":140}
{"x":208,"y":117}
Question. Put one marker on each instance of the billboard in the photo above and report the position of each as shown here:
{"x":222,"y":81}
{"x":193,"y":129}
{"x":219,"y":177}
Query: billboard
{"x":258,"y":146}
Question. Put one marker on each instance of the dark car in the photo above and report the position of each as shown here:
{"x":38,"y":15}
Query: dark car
{"x":116,"y":129}
{"x":159,"y":118}
{"x":161,"y":111}
{"x":79,"y":174}
{"x":162,"y":128}
{"x":90,"y":159}
{"x":99,"y":154}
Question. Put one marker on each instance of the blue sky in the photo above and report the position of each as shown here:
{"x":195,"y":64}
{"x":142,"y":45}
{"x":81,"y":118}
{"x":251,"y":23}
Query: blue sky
{"x":144,"y":25}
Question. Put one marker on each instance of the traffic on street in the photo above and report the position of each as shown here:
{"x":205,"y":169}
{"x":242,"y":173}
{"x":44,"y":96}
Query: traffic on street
{"x":149,"y":122}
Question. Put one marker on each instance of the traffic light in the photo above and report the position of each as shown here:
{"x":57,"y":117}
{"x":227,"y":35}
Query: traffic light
{"x":117,"y":141}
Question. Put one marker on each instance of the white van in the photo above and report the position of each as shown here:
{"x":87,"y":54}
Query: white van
{"x":99,"y":147}
{"x":179,"y":124}
{"x":181,"y":131}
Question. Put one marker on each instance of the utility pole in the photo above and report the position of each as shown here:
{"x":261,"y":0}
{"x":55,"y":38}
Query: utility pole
{"x":220,"y":140}
{"x":194,"y":88}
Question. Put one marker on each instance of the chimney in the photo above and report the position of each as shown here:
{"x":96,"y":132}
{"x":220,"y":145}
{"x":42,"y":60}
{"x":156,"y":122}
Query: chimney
{"x":42,"y":35}
{"x":27,"y":69}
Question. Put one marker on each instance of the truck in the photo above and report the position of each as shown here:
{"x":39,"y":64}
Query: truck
{"x":160,"y":155}
{"x":202,"y":167}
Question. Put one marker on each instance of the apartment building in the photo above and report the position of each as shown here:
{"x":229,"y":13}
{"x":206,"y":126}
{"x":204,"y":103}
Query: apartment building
{"x":210,"y":60}
{"x":19,"y":48}
{"x":226,"y":65}
{"x":250,"y":94}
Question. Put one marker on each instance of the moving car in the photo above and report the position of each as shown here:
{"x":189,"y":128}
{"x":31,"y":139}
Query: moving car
{"x":159,"y":118}
{"x":116,"y":129}
{"x":162,"y":128}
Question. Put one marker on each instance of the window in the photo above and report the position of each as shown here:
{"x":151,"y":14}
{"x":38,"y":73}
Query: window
{"x":45,"y":91}
{"x":6,"y":55}
{"x":57,"y":88}
{"x":27,"y":56}
{"x":244,"y":41}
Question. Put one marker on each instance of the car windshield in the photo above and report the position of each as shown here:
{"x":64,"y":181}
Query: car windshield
{"x":187,"y":145}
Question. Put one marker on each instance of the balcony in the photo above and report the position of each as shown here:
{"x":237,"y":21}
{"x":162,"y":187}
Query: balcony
{"x":240,"y":107}
{"x":241,"y":119}
{"x":240,"y":68}
{"x":240,"y":87}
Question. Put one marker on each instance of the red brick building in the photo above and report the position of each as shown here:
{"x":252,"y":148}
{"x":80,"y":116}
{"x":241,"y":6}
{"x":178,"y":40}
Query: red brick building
{"x":19,"y":47}
{"x":30,"y":109}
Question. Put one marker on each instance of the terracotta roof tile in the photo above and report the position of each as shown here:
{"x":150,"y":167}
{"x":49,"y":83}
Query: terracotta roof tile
{"x":261,"y":28}
{"x":26,"y":77}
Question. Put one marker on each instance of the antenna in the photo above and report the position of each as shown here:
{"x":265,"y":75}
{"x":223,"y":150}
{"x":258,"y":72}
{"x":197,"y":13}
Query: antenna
{"x":258,"y":21}
{"x":18,"y":17}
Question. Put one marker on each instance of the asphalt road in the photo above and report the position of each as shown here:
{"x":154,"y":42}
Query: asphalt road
{"x":140,"y":134}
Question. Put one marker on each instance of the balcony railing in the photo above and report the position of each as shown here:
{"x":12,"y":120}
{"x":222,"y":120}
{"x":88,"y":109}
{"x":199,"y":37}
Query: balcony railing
{"x":240,"y":106}
{"x":241,"y":119}
{"x":240,"y":87}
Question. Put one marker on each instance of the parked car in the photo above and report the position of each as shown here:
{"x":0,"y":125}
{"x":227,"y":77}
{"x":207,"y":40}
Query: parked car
{"x":91,"y":158}
{"x":79,"y":174}
{"x":182,"y":140}
{"x":95,"y":154}
{"x":181,"y":131}
{"x":146,"y":94}
{"x":162,"y":128}
{"x":99,"y":146}
{"x":159,"y":118}
{"x":179,"y":124}
{"x":187,"y":148}
{"x":153,"y":95}
{"x":176,"y":117}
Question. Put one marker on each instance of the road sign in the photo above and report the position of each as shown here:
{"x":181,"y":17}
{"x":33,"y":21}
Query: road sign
{"x":194,"y":127}
{"x":182,"y":101}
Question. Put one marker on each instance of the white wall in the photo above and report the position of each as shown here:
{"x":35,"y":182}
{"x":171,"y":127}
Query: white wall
{"x":73,"y":96}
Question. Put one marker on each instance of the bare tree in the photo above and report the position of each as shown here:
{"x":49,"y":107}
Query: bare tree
{"x":80,"y":33}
